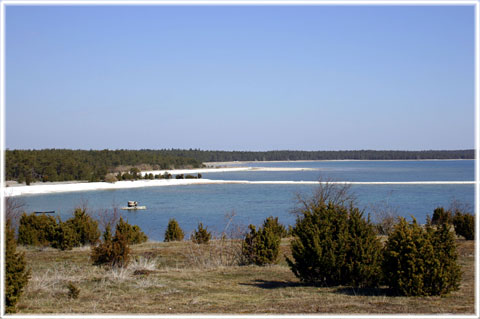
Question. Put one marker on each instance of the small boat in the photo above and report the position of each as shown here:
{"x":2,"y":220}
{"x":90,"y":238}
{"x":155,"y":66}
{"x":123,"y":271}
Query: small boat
{"x":47,"y":212}
{"x":133,"y":205}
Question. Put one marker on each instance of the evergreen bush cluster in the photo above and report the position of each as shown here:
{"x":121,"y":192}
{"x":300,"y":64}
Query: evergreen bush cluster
{"x":173,"y":232}
{"x":421,"y":261}
{"x":201,"y":235}
{"x":335,"y":245}
{"x":133,"y":234}
{"x":16,"y":272}
{"x":43,"y":230}
{"x":261,"y":247}
{"x":114,"y":252}
{"x":441,"y":216}
{"x":464,"y":224}
{"x":84,"y":226}
{"x":36,"y":230}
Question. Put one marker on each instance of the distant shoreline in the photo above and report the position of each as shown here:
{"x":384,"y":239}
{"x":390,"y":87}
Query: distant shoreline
{"x":211,"y":164}
{"x":37,"y":188}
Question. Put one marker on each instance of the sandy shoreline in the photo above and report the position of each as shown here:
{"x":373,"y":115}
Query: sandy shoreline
{"x":216,"y":164}
{"x":80,"y":187}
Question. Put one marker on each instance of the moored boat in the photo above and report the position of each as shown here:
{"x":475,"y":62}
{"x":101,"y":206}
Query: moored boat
{"x":133,"y":205}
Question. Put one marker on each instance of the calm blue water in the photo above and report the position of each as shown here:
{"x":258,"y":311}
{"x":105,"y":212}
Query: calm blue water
{"x":253,"y":203}
{"x":358,"y":171}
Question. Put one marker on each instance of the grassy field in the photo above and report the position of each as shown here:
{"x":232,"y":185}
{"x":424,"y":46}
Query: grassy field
{"x":185,"y":278}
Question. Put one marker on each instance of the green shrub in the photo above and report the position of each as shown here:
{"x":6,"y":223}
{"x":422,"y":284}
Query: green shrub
{"x":133,"y":234}
{"x":335,"y":245}
{"x":363,"y":262}
{"x":85,"y":228}
{"x":37,"y":230}
{"x":420,"y":262}
{"x":65,"y":236}
{"x":114,"y":252}
{"x":262,"y":247}
{"x":16,"y":272}
{"x":276,"y":227}
{"x":464,"y":224}
{"x":173,"y":232}
{"x":179,"y":176}
{"x":201,"y":235}
{"x":441,"y":216}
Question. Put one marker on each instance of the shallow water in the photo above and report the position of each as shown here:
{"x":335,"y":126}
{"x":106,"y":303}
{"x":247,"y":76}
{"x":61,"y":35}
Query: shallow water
{"x":210,"y":203}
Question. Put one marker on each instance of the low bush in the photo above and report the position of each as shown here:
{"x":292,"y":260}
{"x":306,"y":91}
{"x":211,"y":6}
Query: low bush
{"x":167,"y":175}
{"x":275,"y":226}
{"x":132,"y":233}
{"x":73,"y":291}
{"x":190,"y":176}
{"x":173,"y":232}
{"x":65,"y":236}
{"x":262,"y":247}
{"x":335,"y":245}
{"x":84,"y":226}
{"x":201,"y":235}
{"x":37,"y":230}
{"x":16,"y":272}
{"x":441,"y":216}
{"x":464,"y":224}
{"x":421,"y":262}
{"x":114,"y":252}
{"x":179,"y":176}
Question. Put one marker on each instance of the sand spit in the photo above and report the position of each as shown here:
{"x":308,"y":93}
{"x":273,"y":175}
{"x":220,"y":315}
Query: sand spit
{"x":229,"y":169}
{"x":80,"y":187}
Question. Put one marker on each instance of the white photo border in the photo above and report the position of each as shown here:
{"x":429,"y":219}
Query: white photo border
{"x":5,"y":3}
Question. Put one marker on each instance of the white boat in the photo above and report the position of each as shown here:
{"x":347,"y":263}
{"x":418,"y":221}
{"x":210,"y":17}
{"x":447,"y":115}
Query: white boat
{"x":133,"y":205}
{"x":133,"y":208}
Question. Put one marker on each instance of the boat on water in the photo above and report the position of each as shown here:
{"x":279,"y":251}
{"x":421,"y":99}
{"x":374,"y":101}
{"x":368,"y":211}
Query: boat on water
{"x":133,"y":205}
{"x":47,"y":212}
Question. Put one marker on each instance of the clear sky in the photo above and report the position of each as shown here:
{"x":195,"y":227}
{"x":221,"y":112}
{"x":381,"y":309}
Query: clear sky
{"x":240,"y":77}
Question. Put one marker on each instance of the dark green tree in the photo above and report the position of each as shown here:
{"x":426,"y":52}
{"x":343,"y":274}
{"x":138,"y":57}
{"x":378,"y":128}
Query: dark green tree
{"x":84,"y":226}
{"x":114,"y":252}
{"x":262,"y":247}
{"x":441,"y":216}
{"x":37,"y":229}
{"x":464,"y":224}
{"x":16,"y":272}
{"x":201,"y":235}
{"x":335,"y":245}
{"x":420,"y":262}
{"x":132,"y":233}
{"x":275,"y":226}
{"x":173,"y":232}
{"x":65,"y":236}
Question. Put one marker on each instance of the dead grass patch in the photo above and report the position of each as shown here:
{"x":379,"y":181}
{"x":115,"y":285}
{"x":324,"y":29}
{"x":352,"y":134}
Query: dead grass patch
{"x":171,"y":278}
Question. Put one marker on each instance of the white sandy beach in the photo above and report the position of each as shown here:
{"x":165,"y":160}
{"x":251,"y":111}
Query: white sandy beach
{"x":230,"y":169}
{"x":46,"y":188}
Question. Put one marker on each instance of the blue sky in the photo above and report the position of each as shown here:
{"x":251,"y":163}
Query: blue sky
{"x":240,"y":77}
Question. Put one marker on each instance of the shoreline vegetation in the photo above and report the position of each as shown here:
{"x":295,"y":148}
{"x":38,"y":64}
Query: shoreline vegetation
{"x":57,"y":165}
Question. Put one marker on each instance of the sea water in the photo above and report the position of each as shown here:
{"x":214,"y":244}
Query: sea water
{"x":214,"y":204}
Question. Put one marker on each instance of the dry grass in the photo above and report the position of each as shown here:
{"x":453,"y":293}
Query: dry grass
{"x":177,"y":277}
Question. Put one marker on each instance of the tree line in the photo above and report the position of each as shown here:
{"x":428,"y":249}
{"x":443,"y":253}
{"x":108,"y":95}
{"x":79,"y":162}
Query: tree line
{"x":51,"y":165}
{"x":288,"y":155}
